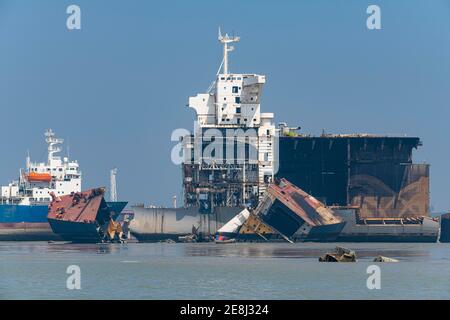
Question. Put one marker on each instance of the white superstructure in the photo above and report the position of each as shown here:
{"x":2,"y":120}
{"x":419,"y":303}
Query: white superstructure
{"x":233,"y":101}
{"x":58,"y":175}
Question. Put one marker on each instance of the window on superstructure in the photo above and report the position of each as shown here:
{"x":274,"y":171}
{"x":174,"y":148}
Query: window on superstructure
{"x":235,"y":90}
{"x":238,"y":110}
{"x":237,"y":99}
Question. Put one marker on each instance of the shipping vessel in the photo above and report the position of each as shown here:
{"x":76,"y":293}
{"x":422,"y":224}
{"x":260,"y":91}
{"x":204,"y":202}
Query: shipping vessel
{"x":24,"y":202}
{"x":236,"y":152}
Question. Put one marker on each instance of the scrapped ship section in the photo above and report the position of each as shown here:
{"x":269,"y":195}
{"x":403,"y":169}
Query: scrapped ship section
{"x":230,"y":157}
{"x":85,"y":217}
{"x":295,"y":186}
{"x":374,"y":173}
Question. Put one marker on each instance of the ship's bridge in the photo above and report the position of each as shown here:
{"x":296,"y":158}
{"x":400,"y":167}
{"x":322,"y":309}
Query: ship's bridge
{"x":235,"y":101}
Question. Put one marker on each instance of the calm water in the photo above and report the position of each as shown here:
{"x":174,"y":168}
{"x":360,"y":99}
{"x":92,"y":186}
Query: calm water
{"x":211,"y":271}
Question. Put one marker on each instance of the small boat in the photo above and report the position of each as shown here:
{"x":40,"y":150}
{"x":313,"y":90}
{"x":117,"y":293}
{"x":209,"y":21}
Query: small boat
{"x":39,"y":177}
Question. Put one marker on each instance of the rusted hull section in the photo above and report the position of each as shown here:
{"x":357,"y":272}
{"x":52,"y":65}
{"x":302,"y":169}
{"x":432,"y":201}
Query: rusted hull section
{"x":390,"y":190}
{"x":374,"y":173}
{"x":296,"y":215}
{"x":84,"y":216}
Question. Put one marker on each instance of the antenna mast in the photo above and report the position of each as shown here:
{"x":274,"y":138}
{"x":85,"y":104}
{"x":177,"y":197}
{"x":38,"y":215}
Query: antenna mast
{"x":52,"y":145}
{"x":225,"y":40}
{"x":113,"y":185}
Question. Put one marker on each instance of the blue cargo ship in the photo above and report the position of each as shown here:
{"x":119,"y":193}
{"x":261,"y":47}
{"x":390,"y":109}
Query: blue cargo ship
{"x":24,"y":202}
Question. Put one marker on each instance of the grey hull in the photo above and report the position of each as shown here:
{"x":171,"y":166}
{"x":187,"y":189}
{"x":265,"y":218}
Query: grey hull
{"x":156,"y":224}
{"x":427,"y":231}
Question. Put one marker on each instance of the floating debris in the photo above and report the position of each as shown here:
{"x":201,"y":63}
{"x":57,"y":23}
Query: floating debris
{"x":340,"y":255}
{"x":384,"y":259}
{"x":188,"y":238}
{"x":168,"y":241}
{"x":225,"y":241}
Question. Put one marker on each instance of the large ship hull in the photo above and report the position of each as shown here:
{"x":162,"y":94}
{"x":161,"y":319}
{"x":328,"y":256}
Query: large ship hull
{"x":159,"y":224}
{"x":25,"y":231}
{"x":426,"y":230}
{"x":25,"y":223}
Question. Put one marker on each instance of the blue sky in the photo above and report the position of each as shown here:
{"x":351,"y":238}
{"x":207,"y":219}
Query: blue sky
{"x":117,"y":88}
